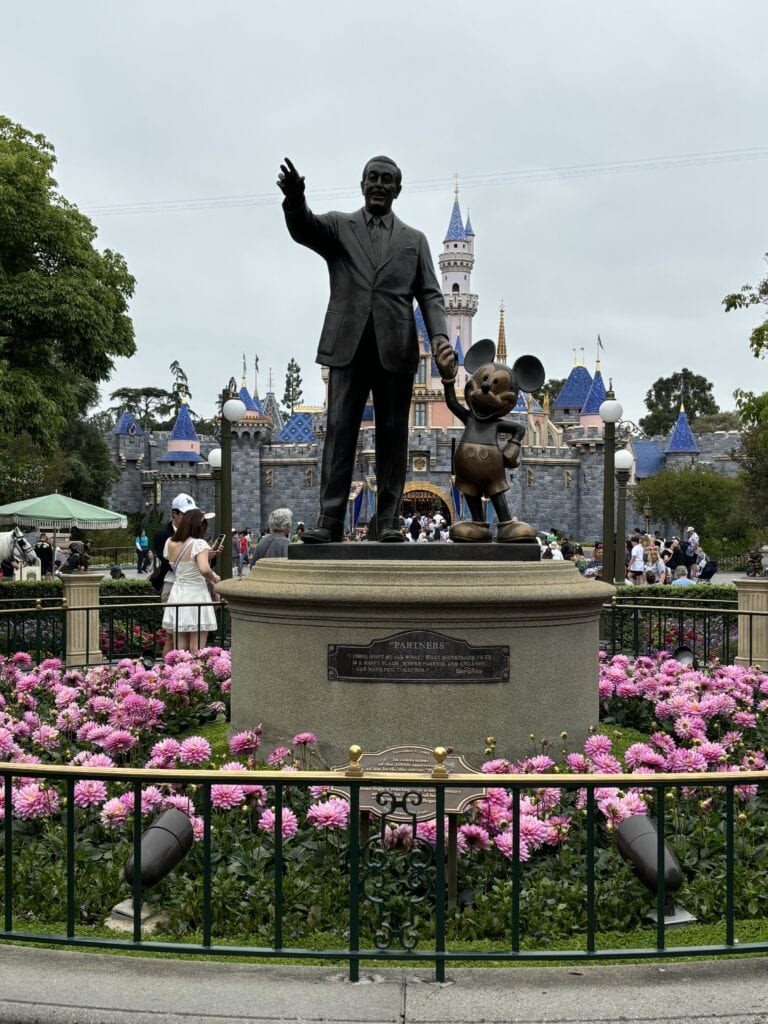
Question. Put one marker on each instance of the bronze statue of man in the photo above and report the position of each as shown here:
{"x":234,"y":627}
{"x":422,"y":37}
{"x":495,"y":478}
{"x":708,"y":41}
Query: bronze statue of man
{"x":377,"y":266}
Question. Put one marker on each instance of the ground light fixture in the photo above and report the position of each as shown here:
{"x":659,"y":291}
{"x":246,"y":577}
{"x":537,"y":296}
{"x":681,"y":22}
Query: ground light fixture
{"x":163,"y":845}
{"x":638,"y":843}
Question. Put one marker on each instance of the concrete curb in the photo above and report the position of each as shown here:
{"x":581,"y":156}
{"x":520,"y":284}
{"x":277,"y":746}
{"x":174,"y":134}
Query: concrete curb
{"x":63,"y":987}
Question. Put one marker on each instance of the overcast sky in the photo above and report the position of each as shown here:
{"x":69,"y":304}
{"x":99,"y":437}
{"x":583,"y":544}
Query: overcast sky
{"x":153,"y":102}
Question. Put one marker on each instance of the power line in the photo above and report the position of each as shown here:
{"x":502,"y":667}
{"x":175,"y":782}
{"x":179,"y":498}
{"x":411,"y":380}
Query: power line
{"x":484,"y":180}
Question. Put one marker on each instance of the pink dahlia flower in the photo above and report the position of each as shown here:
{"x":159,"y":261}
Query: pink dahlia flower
{"x":225,"y":798}
{"x":304,"y":739}
{"x":195,"y":750}
{"x":289,"y":824}
{"x":330,"y":814}
{"x":245,"y":743}
{"x":114,"y":813}
{"x":90,"y":792}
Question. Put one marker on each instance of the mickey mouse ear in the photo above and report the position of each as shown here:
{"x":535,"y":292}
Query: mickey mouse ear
{"x":529,"y":373}
{"x":482,"y":352}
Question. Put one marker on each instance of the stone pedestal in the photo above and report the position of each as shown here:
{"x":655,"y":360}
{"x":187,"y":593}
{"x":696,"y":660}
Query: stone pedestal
{"x":753,"y":629}
{"x":294,"y":622}
{"x":81,"y":591}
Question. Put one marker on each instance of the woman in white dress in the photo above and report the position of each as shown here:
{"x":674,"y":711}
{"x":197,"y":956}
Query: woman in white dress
{"x":188,"y":552}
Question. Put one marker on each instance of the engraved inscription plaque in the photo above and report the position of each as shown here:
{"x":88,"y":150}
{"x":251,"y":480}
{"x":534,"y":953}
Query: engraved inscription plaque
{"x":418,"y":656}
{"x":412,"y":759}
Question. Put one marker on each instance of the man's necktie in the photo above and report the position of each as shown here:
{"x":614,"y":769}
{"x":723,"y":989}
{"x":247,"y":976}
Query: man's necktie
{"x":376,"y":239}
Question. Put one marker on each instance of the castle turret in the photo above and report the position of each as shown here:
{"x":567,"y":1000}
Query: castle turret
{"x":456,"y":262}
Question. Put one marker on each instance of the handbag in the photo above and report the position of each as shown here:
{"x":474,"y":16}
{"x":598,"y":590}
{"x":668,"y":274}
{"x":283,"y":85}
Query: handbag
{"x":158,"y":574}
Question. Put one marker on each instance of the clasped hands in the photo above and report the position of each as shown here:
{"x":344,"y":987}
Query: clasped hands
{"x":445,"y":357}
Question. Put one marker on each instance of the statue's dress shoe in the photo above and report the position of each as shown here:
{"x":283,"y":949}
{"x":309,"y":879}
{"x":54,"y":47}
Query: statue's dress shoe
{"x":321,"y":536}
{"x":391,"y":536}
{"x":468,"y":531}
{"x":514,"y":532}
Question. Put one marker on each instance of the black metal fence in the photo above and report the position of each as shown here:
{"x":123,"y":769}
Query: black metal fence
{"x":400,"y":895}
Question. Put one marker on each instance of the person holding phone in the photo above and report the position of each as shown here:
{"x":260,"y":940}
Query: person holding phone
{"x":189,"y":614}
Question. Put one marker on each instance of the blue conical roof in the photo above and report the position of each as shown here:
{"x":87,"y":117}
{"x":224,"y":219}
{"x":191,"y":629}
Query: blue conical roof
{"x":127,"y":425}
{"x":468,"y":228}
{"x":459,"y":350}
{"x":682,"y":440}
{"x":421,"y":329}
{"x":596,"y":396}
{"x":456,"y":232}
{"x":522,"y":404}
{"x":574,"y":392}
{"x":251,"y":404}
{"x":183,"y":428}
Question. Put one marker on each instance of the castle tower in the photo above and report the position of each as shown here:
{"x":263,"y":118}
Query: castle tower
{"x":681,"y":448}
{"x":456,"y":262}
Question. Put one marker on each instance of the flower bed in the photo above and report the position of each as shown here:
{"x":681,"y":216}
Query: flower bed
{"x":130,"y":716}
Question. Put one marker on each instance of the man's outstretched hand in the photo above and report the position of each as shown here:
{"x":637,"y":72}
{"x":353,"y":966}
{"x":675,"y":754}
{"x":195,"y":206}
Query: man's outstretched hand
{"x":291,"y":183}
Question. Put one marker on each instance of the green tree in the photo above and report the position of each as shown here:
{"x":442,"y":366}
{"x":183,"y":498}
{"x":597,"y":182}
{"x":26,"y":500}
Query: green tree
{"x":150,"y":407}
{"x":552,"y":387}
{"x":663,"y":401}
{"x":749,"y":295}
{"x":724,"y":420}
{"x":715,"y":504}
{"x":293,"y":393}
{"x":63,"y":304}
{"x":753,"y":457}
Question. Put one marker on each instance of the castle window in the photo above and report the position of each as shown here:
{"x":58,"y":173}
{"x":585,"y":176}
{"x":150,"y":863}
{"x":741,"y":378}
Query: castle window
{"x":529,"y":478}
{"x":421,"y":374}
{"x":455,"y":289}
{"x":568,"y":478}
{"x":268,"y":477}
{"x":419,"y":414}
{"x":309,"y":477}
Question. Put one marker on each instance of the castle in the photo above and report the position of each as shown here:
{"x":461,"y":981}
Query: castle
{"x":276,"y":461}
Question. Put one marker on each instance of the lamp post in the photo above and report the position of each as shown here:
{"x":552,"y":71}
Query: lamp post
{"x":214,"y":461}
{"x":610,"y":413}
{"x":623,"y":463}
{"x":232,"y":410}
{"x":648,"y":513}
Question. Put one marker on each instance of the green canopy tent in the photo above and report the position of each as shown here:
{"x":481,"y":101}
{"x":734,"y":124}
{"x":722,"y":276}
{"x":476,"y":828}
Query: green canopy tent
{"x":59,"y":512}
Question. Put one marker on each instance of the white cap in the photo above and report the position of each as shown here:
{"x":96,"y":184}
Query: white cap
{"x":689,"y":529}
{"x":185,"y":503}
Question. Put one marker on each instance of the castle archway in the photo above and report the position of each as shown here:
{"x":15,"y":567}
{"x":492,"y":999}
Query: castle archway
{"x":424,"y":499}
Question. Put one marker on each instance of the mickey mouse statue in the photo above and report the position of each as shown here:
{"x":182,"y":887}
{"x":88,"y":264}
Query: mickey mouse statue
{"x":490,"y":393}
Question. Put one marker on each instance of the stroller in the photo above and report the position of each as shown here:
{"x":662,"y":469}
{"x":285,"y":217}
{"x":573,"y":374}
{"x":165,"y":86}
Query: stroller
{"x":707,"y":571}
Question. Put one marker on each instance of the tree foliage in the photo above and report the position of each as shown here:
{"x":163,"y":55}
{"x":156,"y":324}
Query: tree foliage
{"x":751,"y":295}
{"x":293,"y":394}
{"x":753,"y":457}
{"x":149,"y":406}
{"x":552,"y":387}
{"x":697,"y":496}
{"x":63,"y":304}
{"x":663,"y":401}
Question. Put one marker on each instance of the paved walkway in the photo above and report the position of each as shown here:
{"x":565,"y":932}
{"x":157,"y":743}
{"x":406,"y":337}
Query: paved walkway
{"x":62,"y":987}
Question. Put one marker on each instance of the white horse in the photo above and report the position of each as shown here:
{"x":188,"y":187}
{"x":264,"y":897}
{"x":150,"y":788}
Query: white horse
{"x":15,"y":545}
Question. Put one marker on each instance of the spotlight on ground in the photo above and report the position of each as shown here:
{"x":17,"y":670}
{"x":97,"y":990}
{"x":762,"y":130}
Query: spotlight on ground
{"x":684,"y":655}
{"x":165,"y":842}
{"x":637,"y":842}
{"x":148,"y":658}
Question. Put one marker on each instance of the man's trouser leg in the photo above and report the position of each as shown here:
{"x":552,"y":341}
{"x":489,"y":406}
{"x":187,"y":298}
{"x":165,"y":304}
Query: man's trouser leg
{"x":391,"y":403}
{"x":348,"y":388}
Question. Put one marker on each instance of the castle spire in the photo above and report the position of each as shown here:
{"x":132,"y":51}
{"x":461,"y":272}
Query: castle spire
{"x":455,"y":232}
{"x":501,"y":348}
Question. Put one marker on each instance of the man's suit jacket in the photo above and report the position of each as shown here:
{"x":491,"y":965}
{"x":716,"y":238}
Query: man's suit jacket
{"x":360,"y":288}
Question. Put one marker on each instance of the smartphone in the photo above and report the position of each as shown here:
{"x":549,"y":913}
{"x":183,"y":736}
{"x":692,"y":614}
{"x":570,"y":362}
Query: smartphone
{"x":217,"y":543}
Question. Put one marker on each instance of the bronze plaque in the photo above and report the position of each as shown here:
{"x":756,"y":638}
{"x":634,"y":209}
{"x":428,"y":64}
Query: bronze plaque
{"x":418,"y":656}
{"x":422,"y":761}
